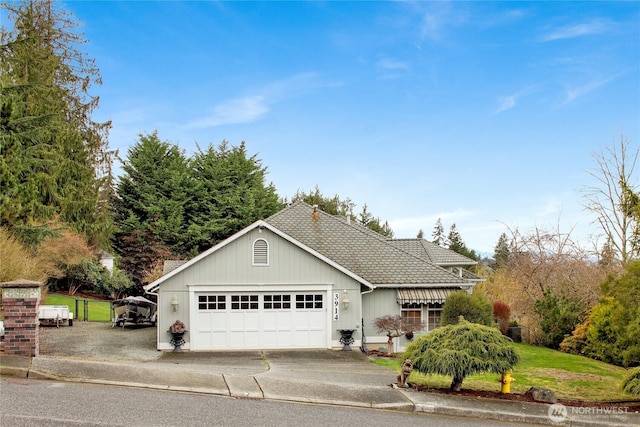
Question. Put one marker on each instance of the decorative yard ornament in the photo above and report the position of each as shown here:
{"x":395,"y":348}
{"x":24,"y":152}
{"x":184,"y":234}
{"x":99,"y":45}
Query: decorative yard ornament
{"x":177,"y":331}
{"x":405,"y":371}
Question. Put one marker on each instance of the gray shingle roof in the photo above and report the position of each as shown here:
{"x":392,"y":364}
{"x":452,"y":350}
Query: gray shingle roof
{"x":431,"y":252}
{"x":171,"y":264}
{"x":366,"y":253}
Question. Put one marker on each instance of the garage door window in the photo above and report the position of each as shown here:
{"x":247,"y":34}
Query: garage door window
{"x":212,"y":302}
{"x":277,"y":302}
{"x":244,"y":302}
{"x":309,"y":301}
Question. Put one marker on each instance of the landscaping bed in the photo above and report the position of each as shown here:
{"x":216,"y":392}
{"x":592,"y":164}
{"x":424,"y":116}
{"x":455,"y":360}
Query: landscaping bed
{"x":629,"y":406}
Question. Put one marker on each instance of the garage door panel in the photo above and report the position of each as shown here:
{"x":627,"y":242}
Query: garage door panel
{"x":263,"y":320}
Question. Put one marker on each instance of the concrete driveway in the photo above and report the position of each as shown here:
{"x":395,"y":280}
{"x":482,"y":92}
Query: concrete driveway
{"x":93,"y":341}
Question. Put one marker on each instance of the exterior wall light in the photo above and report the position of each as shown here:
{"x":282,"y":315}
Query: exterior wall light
{"x":345,"y":300}
{"x":174,"y":303}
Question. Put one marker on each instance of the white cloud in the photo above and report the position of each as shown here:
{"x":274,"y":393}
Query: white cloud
{"x":509,"y":101}
{"x":577,"y":30}
{"x":437,"y":17}
{"x":239,"y":110}
{"x":392,"y":64}
{"x":506,"y":103}
{"x":579,"y":91}
{"x":251,"y":108}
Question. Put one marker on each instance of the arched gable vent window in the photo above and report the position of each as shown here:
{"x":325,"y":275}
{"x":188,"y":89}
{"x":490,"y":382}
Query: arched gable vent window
{"x":260,"y":252}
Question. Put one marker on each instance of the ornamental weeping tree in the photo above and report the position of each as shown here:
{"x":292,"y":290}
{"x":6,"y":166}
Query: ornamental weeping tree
{"x":460,"y":350}
{"x":631,"y":383}
{"x":396,"y":326}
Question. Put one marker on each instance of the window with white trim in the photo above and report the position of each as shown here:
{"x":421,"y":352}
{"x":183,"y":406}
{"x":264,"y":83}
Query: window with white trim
{"x":434,"y":315}
{"x":277,"y":302}
{"x":211,"y":302}
{"x":244,"y":302}
{"x":411,"y":312}
{"x":260,"y":252}
{"x":309,"y":301}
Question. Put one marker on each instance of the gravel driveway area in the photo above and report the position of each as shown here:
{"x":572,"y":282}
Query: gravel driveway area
{"x":99,"y":341}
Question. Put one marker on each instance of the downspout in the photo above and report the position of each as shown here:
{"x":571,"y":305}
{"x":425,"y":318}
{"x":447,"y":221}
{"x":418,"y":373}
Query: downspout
{"x":363,"y":341}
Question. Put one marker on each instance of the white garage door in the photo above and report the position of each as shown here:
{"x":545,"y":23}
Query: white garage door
{"x":227,"y":321}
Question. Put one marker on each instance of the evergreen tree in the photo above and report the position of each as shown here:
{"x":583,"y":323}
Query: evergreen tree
{"x":456,"y":244}
{"x":229,"y":193}
{"x":462,"y":349}
{"x":559,"y":315}
{"x":152,"y":194}
{"x":438,"y":234}
{"x":373,"y":223}
{"x":53,"y":153}
{"x":420,"y":234}
{"x":336,"y":206}
{"x":331,"y":205}
{"x":501,"y":251}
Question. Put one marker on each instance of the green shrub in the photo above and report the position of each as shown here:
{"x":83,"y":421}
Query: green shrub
{"x":631,"y":383}
{"x":576,"y":342}
{"x":559,"y":316}
{"x":460,"y":350}
{"x":475,"y":308}
{"x":603,"y":333}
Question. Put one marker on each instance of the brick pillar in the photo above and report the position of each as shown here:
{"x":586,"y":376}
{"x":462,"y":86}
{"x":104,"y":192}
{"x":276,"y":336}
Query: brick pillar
{"x":20,"y":302}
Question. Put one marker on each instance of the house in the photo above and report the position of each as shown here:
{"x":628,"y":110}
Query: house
{"x":106,"y":260}
{"x":293,"y":280}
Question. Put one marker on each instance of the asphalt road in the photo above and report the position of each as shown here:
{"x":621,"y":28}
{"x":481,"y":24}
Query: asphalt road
{"x":48,"y":403}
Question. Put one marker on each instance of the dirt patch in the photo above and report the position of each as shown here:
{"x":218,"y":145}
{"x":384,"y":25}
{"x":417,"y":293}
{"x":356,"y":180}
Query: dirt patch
{"x":565,"y":375}
{"x":99,"y":341}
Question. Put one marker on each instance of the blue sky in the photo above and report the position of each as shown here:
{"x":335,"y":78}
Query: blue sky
{"x":483,"y":114}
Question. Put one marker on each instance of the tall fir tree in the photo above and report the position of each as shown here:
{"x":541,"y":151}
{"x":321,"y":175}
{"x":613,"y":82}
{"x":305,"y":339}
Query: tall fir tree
{"x":230,"y":192}
{"x":152,"y":195}
{"x":456,"y":243}
{"x":438,"y":236}
{"x":367,"y":219}
{"x":501,"y":251}
{"x":53,"y":153}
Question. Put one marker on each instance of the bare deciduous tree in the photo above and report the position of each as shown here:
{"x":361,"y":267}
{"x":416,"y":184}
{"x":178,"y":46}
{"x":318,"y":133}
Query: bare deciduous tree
{"x":396,"y":326}
{"x":609,"y":200}
{"x":543,"y":260}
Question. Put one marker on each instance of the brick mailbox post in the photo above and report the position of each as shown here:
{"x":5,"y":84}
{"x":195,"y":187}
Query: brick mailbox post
{"x":20,"y":301}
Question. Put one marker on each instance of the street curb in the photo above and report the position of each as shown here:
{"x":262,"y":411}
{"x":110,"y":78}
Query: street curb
{"x":15,"y":366}
{"x":249,"y":388}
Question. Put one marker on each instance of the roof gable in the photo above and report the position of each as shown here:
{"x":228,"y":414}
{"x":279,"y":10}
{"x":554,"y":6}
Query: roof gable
{"x":179,"y":266}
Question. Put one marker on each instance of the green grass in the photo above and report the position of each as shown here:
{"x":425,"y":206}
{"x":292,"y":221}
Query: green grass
{"x":568,"y":375}
{"x":98,"y":311}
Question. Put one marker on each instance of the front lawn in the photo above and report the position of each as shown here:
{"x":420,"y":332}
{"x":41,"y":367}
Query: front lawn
{"x":97,"y":310}
{"x":569,"y":376}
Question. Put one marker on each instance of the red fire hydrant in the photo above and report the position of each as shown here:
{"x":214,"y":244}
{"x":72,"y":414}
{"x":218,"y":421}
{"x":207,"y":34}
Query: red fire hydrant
{"x":505,"y":381}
